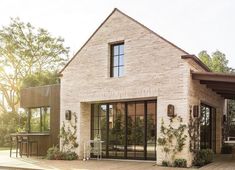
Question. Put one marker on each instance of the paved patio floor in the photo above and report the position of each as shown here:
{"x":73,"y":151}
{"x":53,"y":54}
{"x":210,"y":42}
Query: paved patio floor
{"x":221,"y":163}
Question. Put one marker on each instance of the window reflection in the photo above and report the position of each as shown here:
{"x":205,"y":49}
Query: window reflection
{"x":128,"y":129}
{"x":39,"y":119}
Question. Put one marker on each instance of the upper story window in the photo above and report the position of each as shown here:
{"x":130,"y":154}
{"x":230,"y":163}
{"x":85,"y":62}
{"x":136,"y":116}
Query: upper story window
{"x":117,"y":60}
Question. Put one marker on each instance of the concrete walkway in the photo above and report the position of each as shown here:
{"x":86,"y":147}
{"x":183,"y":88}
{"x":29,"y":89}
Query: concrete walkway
{"x":38,"y":164}
{"x":223,"y":162}
{"x":16,"y":163}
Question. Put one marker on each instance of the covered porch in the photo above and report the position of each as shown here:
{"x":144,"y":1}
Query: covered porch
{"x":223,"y":85}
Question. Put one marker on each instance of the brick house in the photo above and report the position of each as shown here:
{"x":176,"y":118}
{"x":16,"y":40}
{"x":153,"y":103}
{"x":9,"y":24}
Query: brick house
{"x":121,"y":82}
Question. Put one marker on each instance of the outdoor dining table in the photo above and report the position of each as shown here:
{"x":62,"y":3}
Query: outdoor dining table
{"x":28,"y":138}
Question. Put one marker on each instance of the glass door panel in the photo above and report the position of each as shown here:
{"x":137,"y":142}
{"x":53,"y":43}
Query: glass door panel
{"x":131,"y":130}
{"x":139,"y":131}
{"x":151,"y":130}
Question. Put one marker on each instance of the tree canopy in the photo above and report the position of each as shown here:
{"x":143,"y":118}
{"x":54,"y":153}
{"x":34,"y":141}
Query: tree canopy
{"x":29,"y":57}
{"x":26,"y":51}
{"x":217,"y":62}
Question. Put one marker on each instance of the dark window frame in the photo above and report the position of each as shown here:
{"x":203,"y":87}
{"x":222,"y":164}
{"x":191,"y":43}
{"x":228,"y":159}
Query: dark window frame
{"x":208,"y":140}
{"x":119,"y":55}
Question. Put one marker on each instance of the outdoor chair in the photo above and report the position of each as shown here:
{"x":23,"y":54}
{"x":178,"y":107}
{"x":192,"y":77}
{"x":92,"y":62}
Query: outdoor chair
{"x":94,"y":147}
{"x":15,"y":144}
{"x":28,"y":144}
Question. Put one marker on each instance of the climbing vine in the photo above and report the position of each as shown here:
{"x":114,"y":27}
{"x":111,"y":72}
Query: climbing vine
{"x":194,"y":133}
{"x":172,"y":137}
{"x":68,"y":134}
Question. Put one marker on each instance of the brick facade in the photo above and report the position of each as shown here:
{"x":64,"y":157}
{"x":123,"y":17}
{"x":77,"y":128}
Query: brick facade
{"x":153,"y":69}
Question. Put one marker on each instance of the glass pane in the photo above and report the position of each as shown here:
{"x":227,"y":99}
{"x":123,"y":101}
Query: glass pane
{"x":115,"y":61}
{"x":121,"y":71}
{"x":151,"y":154}
{"x":35,"y":120}
{"x":151,"y":108}
{"x":115,"y":71}
{"x":103,"y":110}
{"x":140,"y":109}
{"x":121,"y":49}
{"x":46,"y":119}
{"x":112,"y":136}
{"x":96,"y":122}
{"x":115,"y":50}
{"x":131,"y":130}
{"x":96,"y":110}
{"x":121,"y":60}
{"x":130,"y":136}
{"x":151,"y":129}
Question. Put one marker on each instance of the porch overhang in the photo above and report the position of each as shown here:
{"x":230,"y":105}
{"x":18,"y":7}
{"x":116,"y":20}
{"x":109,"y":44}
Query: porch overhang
{"x":222,"y":84}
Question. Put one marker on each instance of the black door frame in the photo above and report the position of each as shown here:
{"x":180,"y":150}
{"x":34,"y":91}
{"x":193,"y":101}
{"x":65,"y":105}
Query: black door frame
{"x":126,"y":125}
{"x":212,"y":121}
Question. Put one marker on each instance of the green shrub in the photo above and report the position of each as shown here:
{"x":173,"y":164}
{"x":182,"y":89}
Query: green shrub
{"x":226,"y":149}
{"x":203,"y":157}
{"x":54,"y":153}
{"x":180,"y":163}
{"x":165,"y":163}
{"x":70,"y":155}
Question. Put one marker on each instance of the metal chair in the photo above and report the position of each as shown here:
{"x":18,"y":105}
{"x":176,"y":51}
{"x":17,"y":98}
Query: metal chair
{"x":93,"y":147}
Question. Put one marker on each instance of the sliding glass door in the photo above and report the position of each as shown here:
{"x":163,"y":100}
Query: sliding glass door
{"x":128,"y":129}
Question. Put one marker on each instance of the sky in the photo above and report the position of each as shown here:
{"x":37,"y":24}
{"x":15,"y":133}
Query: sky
{"x":193,"y":25}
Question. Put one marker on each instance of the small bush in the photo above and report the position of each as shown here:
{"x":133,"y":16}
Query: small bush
{"x":54,"y":153}
{"x":180,"y":163}
{"x":70,"y":156}
{"x":203,"y":157}
{"x":165,"y":163}
{"x":226,"y":149}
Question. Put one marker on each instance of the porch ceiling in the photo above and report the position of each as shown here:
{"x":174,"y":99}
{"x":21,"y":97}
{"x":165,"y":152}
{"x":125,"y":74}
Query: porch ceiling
{"x":222,"y":84}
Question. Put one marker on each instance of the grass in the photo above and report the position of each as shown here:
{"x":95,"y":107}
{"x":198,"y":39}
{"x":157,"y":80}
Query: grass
{"x":4,"y":148}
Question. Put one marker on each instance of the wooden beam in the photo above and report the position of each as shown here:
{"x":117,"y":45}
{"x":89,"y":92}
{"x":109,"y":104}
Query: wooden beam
{"x":217,"y":83}
{"x":214,"y":87}
{"x":217,"y":77}
{"x":225,"y":92}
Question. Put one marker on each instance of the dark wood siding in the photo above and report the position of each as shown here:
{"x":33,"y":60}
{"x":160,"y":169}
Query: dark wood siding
{"x":44,"y":96}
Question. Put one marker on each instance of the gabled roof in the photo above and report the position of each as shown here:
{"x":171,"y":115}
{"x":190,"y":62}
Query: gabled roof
{"x":117,"y":10}
{"x":197,"y":60}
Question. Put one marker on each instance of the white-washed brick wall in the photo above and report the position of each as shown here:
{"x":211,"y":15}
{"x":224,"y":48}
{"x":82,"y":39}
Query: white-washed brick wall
{"x":153,"y":69}
{"x":199,"y":93}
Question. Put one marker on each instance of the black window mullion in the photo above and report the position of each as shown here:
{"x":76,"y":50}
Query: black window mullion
{"x":107,"y":133}
{"x":145,"y":130}
{"x":41,"y":119}
{"x":126,"y":126}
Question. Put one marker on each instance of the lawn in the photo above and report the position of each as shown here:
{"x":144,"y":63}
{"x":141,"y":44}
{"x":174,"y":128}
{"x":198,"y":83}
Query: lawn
{"x":4,"y":148}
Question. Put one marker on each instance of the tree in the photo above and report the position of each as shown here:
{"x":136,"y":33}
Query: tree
{"x":24,"y":51}
{"x":217,"y":62}
{"x":40,"y":79}
{"x":28,"y":56}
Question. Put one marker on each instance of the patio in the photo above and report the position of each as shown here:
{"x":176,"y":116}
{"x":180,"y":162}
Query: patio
{"x":222,"y":162}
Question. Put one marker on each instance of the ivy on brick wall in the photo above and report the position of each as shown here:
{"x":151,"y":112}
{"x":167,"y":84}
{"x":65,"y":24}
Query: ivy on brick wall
{"x":68,"y":134}
{"x":194,"y":133}
{"x":172,"y":138}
